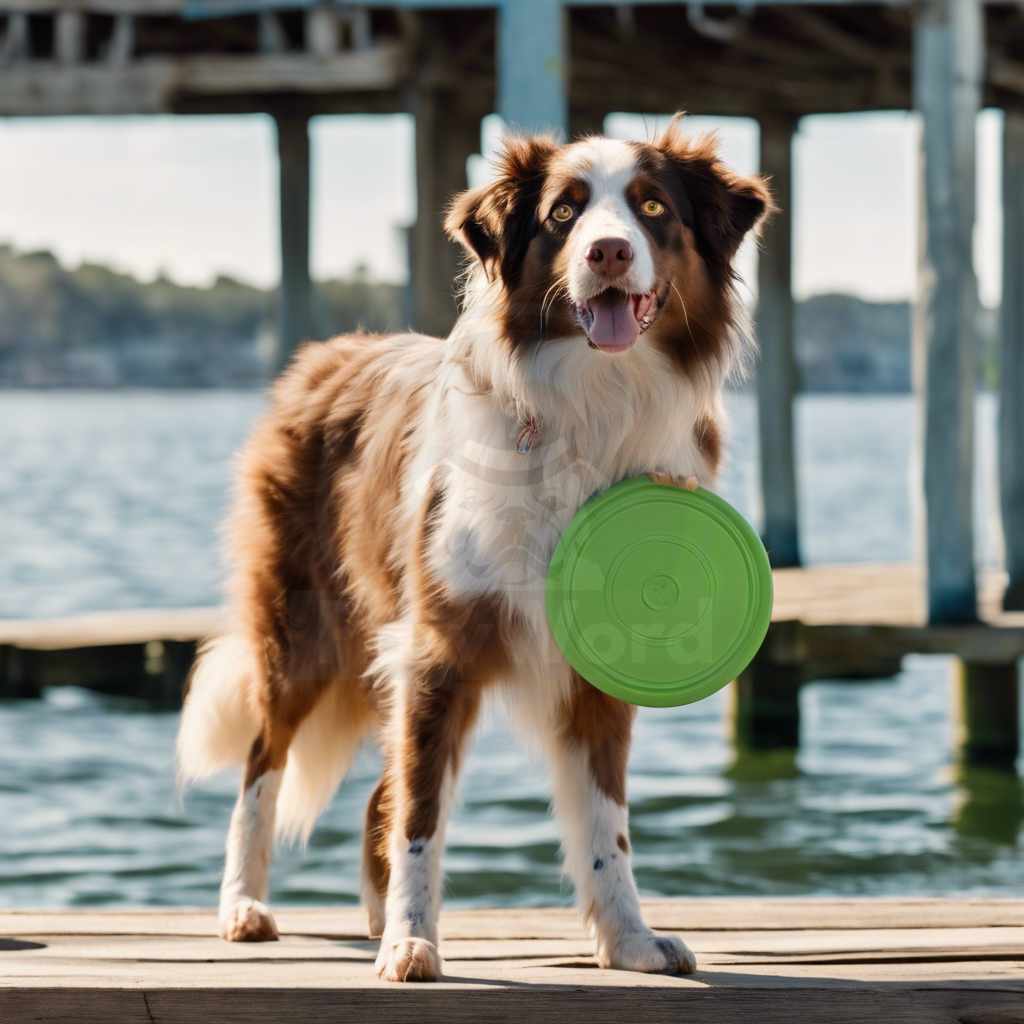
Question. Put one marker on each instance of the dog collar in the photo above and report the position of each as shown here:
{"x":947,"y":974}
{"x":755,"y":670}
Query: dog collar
{"x":526,"y":436}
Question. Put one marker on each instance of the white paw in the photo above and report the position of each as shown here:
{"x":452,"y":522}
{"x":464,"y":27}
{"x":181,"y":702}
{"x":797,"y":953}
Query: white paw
{"x":409,"y":960}
{"x":247,"y":920}
{"x":650,"y":953}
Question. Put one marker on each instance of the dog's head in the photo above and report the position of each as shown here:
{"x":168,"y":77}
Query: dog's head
{"x":606,"y":241}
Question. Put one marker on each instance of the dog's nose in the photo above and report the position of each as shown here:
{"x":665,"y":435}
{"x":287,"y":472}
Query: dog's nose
{"x":610,"y":257}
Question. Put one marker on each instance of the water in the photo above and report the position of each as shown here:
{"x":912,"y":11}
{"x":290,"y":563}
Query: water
{"x":111,"y":500}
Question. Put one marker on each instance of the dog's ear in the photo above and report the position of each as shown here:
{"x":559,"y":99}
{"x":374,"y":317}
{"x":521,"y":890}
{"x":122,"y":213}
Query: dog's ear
{"x":496,"y":222}
{"x":723,"y":205}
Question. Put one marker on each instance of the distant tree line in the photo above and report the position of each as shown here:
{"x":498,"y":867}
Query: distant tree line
{"x":92,"y":326}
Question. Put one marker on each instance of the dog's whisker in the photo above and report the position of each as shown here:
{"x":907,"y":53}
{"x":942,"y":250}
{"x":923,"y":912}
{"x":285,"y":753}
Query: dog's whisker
{"x":545,"y":305}
{"x":681,"y":303}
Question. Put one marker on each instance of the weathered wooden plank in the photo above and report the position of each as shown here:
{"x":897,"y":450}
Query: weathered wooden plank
{"x":151,"y":85}
{"x":948,"y":48}
{"x":758,"y":960}
{"x":1011,"y":373}
{"x":471,"y":1004}
{"x":143,"y":7}
{"x":822,"y":595}
{"x":776,"y":371}
{"x":869,"y":594}
{"x":980,"y":644}
{"x":829,"y":621}
{"x":348,"y":971}
{"x":707,"y":915}
{"x":874,"y":948}
{"x":108,"y":628}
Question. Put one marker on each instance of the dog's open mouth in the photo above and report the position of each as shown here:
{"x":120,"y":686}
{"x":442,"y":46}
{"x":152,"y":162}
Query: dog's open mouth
{"x":614,"y":319}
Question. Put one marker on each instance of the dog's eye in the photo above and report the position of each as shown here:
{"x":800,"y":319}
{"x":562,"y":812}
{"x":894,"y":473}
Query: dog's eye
{"x":563,"y":212}
{"x":652,"y":208}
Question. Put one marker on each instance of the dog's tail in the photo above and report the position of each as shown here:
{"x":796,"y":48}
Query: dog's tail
{"x":219,"y":724}
{"x":218,"y":721}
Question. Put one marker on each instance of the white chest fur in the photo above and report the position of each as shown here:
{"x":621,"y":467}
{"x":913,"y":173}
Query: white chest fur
{"x":503,"y":511}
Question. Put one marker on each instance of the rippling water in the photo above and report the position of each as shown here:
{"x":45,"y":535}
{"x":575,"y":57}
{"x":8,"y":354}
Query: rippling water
{"x":111,"y":500}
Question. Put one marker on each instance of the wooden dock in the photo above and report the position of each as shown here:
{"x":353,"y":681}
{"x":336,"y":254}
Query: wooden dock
{"x":829,"y":622}
{"x":781,"y":960}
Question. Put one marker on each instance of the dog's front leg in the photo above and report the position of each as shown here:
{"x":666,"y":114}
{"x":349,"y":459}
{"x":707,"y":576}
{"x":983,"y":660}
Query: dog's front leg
{"x":588,"y":750}
{"x":433,"y":712}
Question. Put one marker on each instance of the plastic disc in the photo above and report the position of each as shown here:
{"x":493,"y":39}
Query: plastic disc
{"x":658,"y":595}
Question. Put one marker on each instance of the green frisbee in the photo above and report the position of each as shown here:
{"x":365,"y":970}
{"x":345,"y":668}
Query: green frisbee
{"x":658,"y":595}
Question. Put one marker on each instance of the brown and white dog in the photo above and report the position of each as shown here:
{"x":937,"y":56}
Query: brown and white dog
{"x":397,"y":508}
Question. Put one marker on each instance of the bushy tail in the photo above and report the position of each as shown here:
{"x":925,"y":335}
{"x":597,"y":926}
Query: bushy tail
{"x":318,"y":759}
{"x":218,"y":724}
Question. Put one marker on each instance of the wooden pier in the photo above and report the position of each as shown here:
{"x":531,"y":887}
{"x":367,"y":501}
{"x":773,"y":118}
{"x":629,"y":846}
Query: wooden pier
{"x":858,"y":622}
{"x":829,"y":622}
{"x":926,"y":961}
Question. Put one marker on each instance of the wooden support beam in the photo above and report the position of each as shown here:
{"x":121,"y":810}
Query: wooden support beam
{"x":948,"y":42}
{"x":69,"y":37}
{"x":989,"y":703}
{"x":18,"y":681}
{"x":153,"y":85}
{"x":532,"y":82}
{"x":272,"y":36}
{"x":447,"y":134}
{"x":777,"y":373}
{"x":15,"y":44}
{"x":294,"y":304}
{"x":1011,"y":373}
{"x":143,"y":8}
{"x":989,"y":804}
{"x":121,"y":45}
{"x":360,"y":29}
{"x":766,"y":712}
{"x":323,"y":30}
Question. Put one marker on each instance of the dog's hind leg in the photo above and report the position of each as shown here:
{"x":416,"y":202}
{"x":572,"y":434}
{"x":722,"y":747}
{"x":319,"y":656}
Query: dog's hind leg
{"x":244,"y":915}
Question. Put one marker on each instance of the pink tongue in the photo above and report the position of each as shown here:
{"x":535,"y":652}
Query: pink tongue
{"x":615,"y":325}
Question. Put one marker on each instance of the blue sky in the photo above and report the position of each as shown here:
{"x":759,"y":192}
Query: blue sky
{"x":194,"y":197}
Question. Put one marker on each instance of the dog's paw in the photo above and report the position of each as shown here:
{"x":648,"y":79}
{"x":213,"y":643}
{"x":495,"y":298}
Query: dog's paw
{"x":409,"y":960}
{"x":247,"y":920}
{"x":688,"y":483}
{"x":650,"y":953}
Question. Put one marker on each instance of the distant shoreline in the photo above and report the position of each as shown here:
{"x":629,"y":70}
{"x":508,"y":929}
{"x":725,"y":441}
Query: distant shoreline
{"x":93,"y":327}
